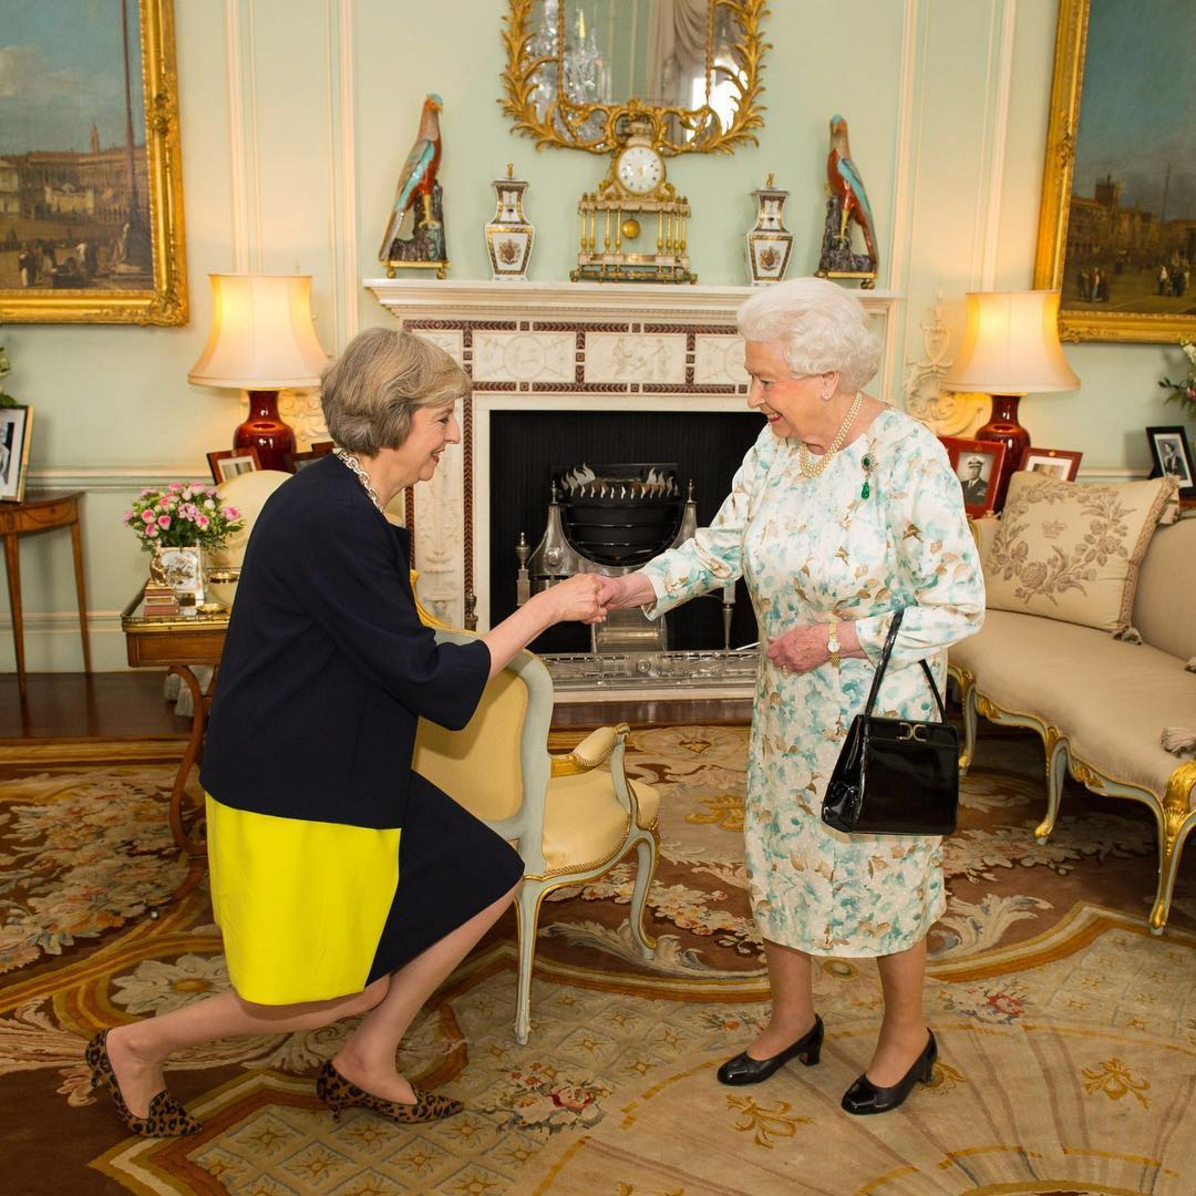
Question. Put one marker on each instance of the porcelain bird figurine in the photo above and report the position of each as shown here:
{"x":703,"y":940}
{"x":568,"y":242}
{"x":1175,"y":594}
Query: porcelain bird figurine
{"x":845,"y":182}
{"x":416,"y":179}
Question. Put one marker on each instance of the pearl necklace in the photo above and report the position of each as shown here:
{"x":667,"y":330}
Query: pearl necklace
{"x":811,"y":468}
{"x":364,"y":478}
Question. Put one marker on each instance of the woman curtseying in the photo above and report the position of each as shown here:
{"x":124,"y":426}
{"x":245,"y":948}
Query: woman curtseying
{"x":844,"y":511}
{"x":343,"y":882}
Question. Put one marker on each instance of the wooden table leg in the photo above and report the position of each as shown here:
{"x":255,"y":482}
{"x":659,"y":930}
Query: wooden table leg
{"x":12,"y":561}
{"x":193,"y":846}
{"x":81,"y":592}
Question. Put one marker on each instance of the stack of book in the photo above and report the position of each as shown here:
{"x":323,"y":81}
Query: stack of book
{"x":160,"y":602}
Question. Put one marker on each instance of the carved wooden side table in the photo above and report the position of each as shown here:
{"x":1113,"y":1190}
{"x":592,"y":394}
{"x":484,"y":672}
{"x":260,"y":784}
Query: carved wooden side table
{"x":180,"y":643}
{"x":41,"y":513}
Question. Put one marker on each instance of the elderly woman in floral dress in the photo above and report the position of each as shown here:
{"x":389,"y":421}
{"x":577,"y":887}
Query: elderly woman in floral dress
{"x":844,"y":511}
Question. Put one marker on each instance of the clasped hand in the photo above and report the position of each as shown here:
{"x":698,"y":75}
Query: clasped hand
{"x":588,"y":597}
{"x":801,"y":649}
{"x":580,"y":599}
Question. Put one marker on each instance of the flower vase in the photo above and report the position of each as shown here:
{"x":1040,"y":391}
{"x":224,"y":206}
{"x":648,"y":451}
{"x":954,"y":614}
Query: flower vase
{"x":769,"y":243}
{"x":182,"y":570}
{"x":509,"y":236}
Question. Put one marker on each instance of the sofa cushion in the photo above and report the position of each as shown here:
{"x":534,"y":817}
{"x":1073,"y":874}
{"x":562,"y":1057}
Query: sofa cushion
{"x":1071,"y":552}
{"x":1112,"y":699}
{"x":1165,"y":605}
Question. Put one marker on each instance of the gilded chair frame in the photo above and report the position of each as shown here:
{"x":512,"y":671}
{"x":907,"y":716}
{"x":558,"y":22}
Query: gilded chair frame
{"x":526,"y":826}
{"x":1173,"y":812}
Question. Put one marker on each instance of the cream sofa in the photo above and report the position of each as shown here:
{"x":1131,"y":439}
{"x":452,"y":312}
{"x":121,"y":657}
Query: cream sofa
{"x":1099,"y":702}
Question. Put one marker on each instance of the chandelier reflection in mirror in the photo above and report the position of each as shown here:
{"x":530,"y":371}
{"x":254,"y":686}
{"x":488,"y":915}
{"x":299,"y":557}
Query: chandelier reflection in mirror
{"x":581,"y":71}
{"x":574,"y":66}
{"x":584,"y":72}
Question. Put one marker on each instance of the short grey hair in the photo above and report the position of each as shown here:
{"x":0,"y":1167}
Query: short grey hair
{"x":820,"y":327}
{"x":371,"y":392}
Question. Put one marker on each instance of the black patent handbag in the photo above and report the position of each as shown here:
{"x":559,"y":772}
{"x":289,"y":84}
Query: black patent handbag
{"x":895,"y":776}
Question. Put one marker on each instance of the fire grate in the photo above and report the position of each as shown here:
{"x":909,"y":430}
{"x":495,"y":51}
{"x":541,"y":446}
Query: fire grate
{"x":668,"y":670}
{"x":621,"y":515}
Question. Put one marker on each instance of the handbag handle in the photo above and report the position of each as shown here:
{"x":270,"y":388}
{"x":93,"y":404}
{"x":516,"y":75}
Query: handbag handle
{"x":886,"y":652}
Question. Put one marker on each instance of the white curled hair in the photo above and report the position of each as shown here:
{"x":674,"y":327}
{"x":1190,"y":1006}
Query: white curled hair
{"x":820,"y":327}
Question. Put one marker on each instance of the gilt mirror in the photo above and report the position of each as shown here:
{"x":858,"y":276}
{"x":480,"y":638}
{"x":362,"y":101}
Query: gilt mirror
{"x":576,"y":69}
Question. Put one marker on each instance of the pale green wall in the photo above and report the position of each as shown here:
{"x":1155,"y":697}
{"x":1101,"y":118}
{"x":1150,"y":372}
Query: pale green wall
{"x":114,"y":409}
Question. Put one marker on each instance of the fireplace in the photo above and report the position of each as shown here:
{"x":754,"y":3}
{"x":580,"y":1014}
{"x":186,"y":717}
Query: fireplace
{"x":707,"y":448}
{"x":562,"y":373}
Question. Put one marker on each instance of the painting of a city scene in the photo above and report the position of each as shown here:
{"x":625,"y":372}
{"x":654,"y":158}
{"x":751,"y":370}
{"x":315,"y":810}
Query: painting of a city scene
{"x":1125,"y":270}
{"x":78,"y":183}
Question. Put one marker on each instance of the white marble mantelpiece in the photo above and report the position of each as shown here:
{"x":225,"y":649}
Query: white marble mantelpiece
{"x":558,"y":346}
{"x":654,"y":302}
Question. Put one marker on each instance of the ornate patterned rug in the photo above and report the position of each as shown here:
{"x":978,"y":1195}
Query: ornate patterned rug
{"x":1067,"y":1032}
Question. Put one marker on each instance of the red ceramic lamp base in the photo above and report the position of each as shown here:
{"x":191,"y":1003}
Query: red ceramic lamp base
{"x":1003,"y":426}
{"x":265,"y":431}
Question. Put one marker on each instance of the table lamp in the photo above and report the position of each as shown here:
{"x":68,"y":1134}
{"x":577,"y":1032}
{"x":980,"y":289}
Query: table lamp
{"x":262,"y":340}
{"x":1010,"y":349}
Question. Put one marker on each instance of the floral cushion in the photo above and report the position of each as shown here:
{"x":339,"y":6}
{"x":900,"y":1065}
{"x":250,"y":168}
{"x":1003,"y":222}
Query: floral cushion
{"x":1071,"y":552}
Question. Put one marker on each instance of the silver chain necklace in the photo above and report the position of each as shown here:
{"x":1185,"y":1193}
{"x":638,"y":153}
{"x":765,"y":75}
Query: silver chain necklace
{"x":363,"y":477}
{"x":811,"y":468}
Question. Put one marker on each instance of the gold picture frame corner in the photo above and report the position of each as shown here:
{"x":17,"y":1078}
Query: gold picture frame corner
{"x":1050,"y":265}
{"x":164,"y":301}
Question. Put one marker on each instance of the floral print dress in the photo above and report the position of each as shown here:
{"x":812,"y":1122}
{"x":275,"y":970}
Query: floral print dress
{"x":813,"y":549}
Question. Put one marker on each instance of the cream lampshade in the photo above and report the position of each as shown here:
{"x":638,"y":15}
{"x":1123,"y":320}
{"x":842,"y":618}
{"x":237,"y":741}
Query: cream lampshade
{"x":261,"y":340}
{"x":1010,"y":349}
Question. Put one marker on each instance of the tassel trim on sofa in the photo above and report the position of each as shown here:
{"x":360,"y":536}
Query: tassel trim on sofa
{"x":1127,"y":632}
{"x":1178,"y":741}
{"x":1191,"y":665}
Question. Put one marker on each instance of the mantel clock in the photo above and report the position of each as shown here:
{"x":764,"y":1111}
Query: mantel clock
{"x":633,"y":227}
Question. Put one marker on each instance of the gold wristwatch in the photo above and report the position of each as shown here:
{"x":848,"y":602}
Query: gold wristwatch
{"x":832,"y":642}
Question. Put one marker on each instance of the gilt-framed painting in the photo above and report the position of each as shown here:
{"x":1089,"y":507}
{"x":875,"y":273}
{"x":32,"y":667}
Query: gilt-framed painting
{"x":91,"y":190}
{"x":1117,"y":225}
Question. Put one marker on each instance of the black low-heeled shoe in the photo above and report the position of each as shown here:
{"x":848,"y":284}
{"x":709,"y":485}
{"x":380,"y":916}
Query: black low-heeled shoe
{"x":864,"y":1097}
{"x":743,"y":1069}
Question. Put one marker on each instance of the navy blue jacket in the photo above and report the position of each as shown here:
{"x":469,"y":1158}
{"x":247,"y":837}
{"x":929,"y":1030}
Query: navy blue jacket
{"x":327,"y":668}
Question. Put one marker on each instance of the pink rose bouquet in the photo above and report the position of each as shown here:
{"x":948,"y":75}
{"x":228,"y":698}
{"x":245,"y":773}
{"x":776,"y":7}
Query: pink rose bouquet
{"x":182,"y":514}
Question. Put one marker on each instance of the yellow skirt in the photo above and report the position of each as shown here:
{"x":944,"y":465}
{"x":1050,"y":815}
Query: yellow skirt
{"x":301,"y":904}
{"x":311,"y":911}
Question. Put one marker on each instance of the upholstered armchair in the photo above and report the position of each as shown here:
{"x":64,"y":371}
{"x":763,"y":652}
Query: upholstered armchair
{"x":571,"y":819}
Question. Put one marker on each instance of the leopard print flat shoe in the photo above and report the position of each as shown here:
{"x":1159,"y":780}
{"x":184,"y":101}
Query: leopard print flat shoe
{"x":338,"y":1094}
{"x":166,"y":1119}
